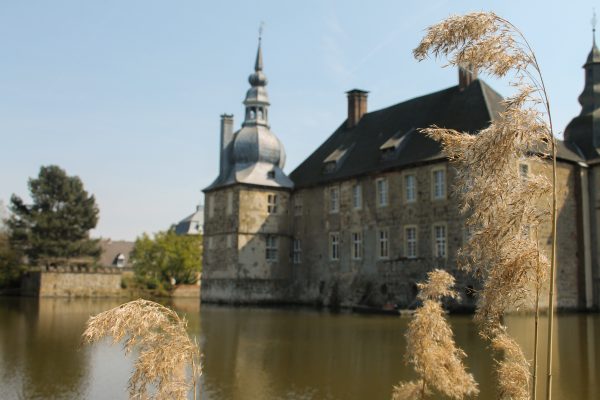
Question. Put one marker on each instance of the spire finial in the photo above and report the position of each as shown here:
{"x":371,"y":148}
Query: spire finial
{"x":594,"y":21}
{"x":258,"y":66}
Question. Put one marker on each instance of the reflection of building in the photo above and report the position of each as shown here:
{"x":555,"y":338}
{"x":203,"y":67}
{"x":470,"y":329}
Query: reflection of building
{"x":364,"y":217}
{"x":115,"y":253}
{"x":192,"y":224}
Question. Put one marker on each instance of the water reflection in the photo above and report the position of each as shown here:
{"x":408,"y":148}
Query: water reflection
{"x":254,"y":353}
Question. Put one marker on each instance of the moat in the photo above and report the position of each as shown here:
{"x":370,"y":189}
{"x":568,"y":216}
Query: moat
{"x":262,"y":353}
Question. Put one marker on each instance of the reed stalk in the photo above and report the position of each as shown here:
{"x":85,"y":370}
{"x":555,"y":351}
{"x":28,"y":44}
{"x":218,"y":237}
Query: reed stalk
{"x":164,"y":348}
{"x":501,"y":204}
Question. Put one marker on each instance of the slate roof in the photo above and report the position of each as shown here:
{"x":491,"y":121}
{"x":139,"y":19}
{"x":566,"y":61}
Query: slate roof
{"x":388,"y":139}
{"x":192,"y":224}
{"x":110,"y":250}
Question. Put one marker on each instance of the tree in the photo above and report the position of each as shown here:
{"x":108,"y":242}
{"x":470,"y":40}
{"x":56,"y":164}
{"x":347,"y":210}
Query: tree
{"x":55,"y":227}
{"x":10,"y":262}
{"x":167,"y":256}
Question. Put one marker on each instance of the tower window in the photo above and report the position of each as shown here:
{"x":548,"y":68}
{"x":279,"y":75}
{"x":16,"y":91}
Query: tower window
{"x":271,"y":248}
{"x":410,"y":188}
{"x":297,"y":253}
{"x":384,"y":247}
{"x":357,"y":196}
{"x":272,"y":204}
{"x":334,"y":246}
{"x":260,"y":113}
{"x":356,"y":245}
{"x":298,"y":205}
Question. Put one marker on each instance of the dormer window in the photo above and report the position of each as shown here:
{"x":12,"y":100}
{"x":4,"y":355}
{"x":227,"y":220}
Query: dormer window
{"x":393,"y":145}
{"x":335,"y":159}
{"x":271,"y":174}
{"x":119,"y":260}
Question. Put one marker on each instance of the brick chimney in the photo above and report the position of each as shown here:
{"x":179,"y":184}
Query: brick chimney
{"x":226,"y":141}
{"x":466,"y":75}
{"x":357,"y":106}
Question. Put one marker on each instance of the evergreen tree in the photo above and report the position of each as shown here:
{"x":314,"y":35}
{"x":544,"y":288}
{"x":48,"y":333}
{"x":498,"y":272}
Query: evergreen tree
{"x":55,"y":228}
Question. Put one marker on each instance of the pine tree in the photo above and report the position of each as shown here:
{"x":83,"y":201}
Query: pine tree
{"x":54,"y":229}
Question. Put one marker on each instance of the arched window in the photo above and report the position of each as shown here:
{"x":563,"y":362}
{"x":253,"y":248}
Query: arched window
{"x":260,"y":113}
{"x":252,"y":113}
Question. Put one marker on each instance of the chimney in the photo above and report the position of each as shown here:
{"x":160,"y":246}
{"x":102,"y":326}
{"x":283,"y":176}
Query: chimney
{"x":357,"y":106}
{"x":466,"y":75}
{"x":226,"y":142}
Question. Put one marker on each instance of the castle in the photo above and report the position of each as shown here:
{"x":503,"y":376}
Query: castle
{"x":368,"y":213}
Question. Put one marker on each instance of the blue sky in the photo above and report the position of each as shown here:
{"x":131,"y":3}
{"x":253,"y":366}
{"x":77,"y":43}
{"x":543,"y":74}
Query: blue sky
{"x":127,"y":94}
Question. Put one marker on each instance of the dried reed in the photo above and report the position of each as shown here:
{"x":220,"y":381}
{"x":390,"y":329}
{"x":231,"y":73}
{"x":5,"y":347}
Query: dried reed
{"x":431,"y":349}
{"x":160,"y":337}
{"x":502,"y":206}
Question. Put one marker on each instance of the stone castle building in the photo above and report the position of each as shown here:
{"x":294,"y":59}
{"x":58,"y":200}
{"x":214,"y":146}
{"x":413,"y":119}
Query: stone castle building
{"x":368,"y":213}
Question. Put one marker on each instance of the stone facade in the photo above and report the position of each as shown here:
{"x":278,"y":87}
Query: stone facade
{"x":105,"y":283}
{"x":370,"y":212}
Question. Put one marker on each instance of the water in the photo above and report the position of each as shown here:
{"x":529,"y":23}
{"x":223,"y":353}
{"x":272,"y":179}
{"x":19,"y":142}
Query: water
{"x":258,"y":353}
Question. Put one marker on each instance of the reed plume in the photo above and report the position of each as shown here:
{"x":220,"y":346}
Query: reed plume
{"x":502,"y":204}
{"x":165,"y":350}
{"x":431,"y":349}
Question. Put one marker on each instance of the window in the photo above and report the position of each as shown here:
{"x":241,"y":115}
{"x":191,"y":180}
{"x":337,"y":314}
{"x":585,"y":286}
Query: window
{"x":356,"y":245}
{"x":271,"y":248}
{"x":260,"y":113}
{"x":439,"y":240}
{"x":410,"y":188}
{"x":119,"y":260}
{"x":272,"y":204}
{"x":271,"y":174}
{"x":211,"y":207}
{"x":229,"y":202}
{"x":334,"y":199}
{"x":384,"y":247}
{"x":298,"y":205}
{"x":209,"y":243}
{"x":410,"y":241}
{"x":382,"y":192}
{"x":357,"y":196}
{"x":229,"y":241}
{"x":524,"y":171}
{"x":297,"y":252}
{"x":439,"y":184}
{"x":334,"y":246}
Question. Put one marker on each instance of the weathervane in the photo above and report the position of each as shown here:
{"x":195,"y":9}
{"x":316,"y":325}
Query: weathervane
{"x":594,"y":21}
{"x":262,"y":25}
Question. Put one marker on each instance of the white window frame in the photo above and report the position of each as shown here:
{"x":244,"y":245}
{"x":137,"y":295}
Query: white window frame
{"x":438,"y":188}
{"x":297,"y":251}
{"x":411,"y":244}
{"x":410,"y":189}
{"x":211,"y":206}
{"x":334,"y":199}
{"x":382,"y":192}
{"x":357,"y":196}
{"x":383,"y":244}
{"x":272,"y":203}
{"x":440,"y":243}
{"x":271,"y":248}
{"x":356,"y":249}
{"x":334,"y":246}
{"x":229,"y":203}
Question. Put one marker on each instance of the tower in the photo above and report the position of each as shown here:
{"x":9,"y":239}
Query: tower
{"x":247,"y":239}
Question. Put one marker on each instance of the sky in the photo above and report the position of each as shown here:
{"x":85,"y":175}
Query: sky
{"x":127,"y":94}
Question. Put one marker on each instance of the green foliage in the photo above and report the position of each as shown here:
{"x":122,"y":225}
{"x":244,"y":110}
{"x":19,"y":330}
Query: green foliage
{"x":10,"y":263}
{"x":55,"y":227}
{"x":167,"y":255}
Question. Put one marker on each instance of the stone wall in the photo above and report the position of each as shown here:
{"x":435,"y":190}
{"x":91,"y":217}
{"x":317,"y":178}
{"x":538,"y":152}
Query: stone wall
{"x":72,"y":283}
